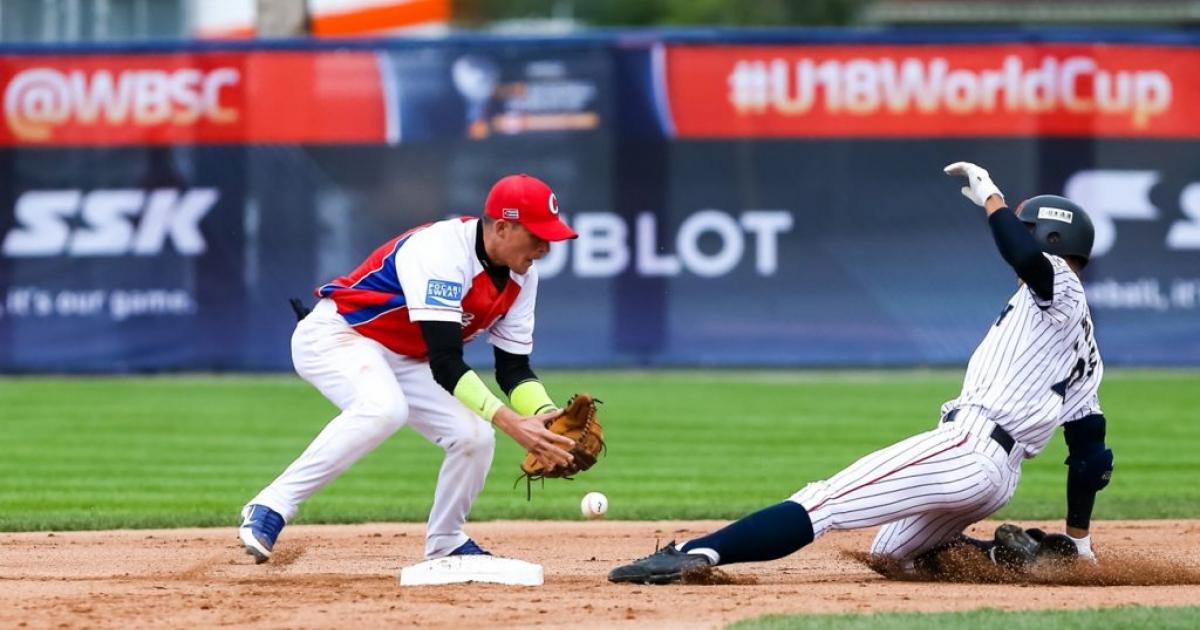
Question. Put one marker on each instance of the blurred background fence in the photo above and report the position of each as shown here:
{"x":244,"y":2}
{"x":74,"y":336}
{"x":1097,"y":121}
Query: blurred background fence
{"x":744,"y":197}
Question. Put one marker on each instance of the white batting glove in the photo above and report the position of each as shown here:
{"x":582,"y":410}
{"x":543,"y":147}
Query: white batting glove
{"x":979,"y":184}
{"x":1084,"y":545}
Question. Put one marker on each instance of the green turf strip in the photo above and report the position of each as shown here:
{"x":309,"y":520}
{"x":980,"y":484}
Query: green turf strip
{"x":95,"y":453}
{"x":1129,"y":618}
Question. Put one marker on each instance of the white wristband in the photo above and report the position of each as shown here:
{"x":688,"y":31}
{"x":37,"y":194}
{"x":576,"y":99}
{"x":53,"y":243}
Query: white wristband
{"x":986,"y":189}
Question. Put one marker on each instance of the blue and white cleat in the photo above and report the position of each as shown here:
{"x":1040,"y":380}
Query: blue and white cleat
{"x":469,"y":548}
{"x":260,"y":527}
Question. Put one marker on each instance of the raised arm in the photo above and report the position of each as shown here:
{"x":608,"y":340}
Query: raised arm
{"x":1017,"y":246}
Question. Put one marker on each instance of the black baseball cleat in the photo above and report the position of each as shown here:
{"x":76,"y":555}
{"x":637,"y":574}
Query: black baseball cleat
{"x":1057,"y":549}
{"x":1038,"y":535}
{"x":1014,"y":547}
{"x":665,"y":566}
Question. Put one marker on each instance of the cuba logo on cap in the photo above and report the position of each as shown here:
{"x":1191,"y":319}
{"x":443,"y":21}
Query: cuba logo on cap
{"x":553,"y":204}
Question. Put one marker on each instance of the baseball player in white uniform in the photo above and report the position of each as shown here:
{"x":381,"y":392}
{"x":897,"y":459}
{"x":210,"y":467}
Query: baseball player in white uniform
{"x":385,"y":345}
{"x":1037,"y":368}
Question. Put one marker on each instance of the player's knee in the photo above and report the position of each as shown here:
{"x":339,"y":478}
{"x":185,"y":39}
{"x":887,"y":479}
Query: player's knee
{"x":1090,"y":472}
{"x":387,"y":413}
{"x":881,"y":550}
{"x":890,"y":543}
{"x":476,"y":437}
{"x":1089,"y":460}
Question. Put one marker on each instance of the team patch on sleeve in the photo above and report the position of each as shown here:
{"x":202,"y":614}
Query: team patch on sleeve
{"x":443,"y":293}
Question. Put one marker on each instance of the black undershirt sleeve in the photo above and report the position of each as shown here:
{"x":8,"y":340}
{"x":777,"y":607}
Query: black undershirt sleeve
{"x":445,"y":343}
{"x":512,"y":370}
{"x":1022,"y":253}
{"x":445,"y":339}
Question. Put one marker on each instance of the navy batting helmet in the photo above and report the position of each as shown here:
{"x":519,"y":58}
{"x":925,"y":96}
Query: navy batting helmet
{"x":1059,"y":225}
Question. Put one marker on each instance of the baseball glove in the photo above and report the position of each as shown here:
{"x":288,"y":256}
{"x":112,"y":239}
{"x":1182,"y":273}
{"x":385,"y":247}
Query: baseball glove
{"x":579,"y":423}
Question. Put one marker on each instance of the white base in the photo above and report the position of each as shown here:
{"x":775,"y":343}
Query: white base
{"x":458,"y":569}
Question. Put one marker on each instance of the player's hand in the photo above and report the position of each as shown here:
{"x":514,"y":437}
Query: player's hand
{"x":979,"y":184}
{"x":551,"y":449}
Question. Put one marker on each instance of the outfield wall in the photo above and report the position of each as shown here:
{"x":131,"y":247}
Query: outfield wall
{"x":743,"y":198}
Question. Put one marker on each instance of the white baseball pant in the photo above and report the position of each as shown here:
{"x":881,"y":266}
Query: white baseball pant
{"x":380,"y":391}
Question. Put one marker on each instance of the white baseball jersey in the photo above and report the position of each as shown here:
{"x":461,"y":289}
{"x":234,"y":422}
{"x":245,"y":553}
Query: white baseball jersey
{"x":432,"y":273}
{"x":1037,"y":368}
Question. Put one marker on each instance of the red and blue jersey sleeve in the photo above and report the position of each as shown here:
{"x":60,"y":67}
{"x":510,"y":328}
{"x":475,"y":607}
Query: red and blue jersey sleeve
{"x":377,"y":297}
{"x":373,"y":288}
{"x":432,"y":274}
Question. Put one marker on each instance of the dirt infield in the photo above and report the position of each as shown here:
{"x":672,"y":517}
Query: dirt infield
{"x":346,"y":577}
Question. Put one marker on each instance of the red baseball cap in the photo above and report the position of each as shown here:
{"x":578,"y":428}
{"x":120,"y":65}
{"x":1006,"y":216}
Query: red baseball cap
{"x":529,"y":201}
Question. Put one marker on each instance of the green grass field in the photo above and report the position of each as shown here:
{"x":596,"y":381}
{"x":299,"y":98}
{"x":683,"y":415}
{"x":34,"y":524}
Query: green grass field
{"x":1183,"y":618}
{"x":98,"y":453}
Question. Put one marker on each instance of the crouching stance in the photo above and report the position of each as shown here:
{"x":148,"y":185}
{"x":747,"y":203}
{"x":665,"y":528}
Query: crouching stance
{"x":1037,"y":368}
{"x":385,"y":344}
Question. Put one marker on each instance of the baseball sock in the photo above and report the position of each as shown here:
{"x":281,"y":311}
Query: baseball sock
{"x":767,"y":534}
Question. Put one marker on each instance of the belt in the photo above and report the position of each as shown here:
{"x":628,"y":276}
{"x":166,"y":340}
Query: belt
{"x":1001,"y":436}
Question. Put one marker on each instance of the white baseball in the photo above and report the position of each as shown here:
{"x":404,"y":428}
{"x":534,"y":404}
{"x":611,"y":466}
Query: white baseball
{"x":594,"y":505}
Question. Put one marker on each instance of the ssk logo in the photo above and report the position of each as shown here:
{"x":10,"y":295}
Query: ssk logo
{"x":108,"y":222}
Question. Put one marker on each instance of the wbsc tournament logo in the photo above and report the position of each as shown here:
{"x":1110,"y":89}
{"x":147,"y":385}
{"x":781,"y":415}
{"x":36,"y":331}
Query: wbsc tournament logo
{"x":442,"y":292}
{"x":38,"y":100}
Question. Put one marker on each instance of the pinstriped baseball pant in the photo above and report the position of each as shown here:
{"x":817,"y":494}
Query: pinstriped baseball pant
{"x":924,"y":490}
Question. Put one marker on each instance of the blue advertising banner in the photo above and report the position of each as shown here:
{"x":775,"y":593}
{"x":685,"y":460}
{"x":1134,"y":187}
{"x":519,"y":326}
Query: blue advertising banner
{"x":860,"y":252}
{"x":453,"y":92}
{"x":122,"y":259}
{"x":698,"y":246}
